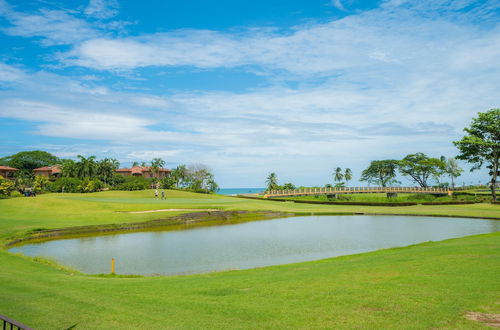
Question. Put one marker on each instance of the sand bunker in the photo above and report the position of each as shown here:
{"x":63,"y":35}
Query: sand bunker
{"x":493,"y":320}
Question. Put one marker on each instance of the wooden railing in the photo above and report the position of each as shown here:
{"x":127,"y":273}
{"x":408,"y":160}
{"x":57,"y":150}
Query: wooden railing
{"x":354,"y":190}
{"x":8,"y":323}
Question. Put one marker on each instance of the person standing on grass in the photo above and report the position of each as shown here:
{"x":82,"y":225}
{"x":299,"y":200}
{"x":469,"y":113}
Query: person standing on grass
{"x":156,"y":193}
{"x":163,"y":194}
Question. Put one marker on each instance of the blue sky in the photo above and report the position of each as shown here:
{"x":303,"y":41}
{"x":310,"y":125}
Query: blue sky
{"x":247,"y":87}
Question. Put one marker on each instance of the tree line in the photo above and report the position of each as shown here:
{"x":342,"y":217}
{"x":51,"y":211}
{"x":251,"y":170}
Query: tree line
{"x":88,"y":174}
{"x":480,"y":146}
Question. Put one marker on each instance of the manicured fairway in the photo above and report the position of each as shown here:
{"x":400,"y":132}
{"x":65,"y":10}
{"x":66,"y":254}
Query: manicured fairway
{"x":430,"y":285}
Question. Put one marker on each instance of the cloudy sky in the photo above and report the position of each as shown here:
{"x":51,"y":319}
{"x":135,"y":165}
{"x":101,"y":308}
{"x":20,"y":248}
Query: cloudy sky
{"x":247,"y":87}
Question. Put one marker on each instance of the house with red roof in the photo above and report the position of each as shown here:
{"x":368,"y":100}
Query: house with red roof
{"x":48,"y":171}
{"x":8,"y":172}
{"x":144,"y":171}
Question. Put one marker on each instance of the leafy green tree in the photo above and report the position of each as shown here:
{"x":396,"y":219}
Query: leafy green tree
{"x":272,"y":181}
{"x":347,"y":176}
{"x":23,"y":180}
{"x":289,"y":186}
{"x":156,"y":165}
{"x":6,"y":186}
{"x":482,"y":145}
{"x":68,"y":168}
{"x":106,"y":169}
{"x":381,"y":172}
{"x":211,"y":184}
{"x":65,"y":185}
{"x":421,"y":168}
{"x":453,"y":170}
{"x":178,"y":176}
{"x":40,"y":183}
{"x":199,"y":178}
{"x":134,"y":164}
{"x":90,"y":185}
{"x":86,"y":167}
{"x":338,"y":176}
{"x":29,"y":160}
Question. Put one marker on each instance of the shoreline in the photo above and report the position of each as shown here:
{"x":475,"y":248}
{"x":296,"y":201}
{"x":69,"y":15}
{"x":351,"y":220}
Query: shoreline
{"x":189,"y":221}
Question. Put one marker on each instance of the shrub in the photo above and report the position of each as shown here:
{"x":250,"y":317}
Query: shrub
{"x":134,"y":183}
{"x":89,"y":185}
{"x":40,"y":183}
{"x":70,"y":185}
{"x":6,"y":186}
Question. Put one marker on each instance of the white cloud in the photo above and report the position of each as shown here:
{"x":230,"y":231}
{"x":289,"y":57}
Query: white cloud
{"x":55,"y":27}
{"x":381,"y":42}
{"x":102,"y":9}
{"x":392,"y":81}
{"x":338,"y":4}
{"x":10,"y":73}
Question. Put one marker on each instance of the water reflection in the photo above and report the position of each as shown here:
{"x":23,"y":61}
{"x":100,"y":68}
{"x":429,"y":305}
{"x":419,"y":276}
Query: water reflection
{"x":252,"y":244}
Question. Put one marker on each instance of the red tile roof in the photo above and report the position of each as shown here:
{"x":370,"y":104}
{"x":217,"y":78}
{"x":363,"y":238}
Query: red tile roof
{"x":140,"y":169}
{"x":53,"y":169}
{"x":8,"y":168}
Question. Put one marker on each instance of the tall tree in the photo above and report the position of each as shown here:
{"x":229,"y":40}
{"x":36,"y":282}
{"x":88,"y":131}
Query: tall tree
{"x":199,"y":177}
{"x":272,"y":181}
{"x":381,"y":172}
{"x":421,"y":168}
{"x":453,"y":170}
{"x":179,"y":175}
{"x":156,"y":165}
{"x":86,"y":167}
{"x":338,"y":176}
{"x":68,"y":168}
{"x":482,"y":145}
{"x":347,"y":176}
{"x":106,"y":169}
{"x":29,"y":160}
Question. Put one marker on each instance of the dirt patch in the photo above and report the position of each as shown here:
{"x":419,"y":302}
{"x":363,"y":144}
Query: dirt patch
{"x":492,"y":320}
{"x":171,"y":210}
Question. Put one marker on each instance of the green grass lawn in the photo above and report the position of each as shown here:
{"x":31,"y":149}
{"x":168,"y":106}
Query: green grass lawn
{"x":430,"y":285}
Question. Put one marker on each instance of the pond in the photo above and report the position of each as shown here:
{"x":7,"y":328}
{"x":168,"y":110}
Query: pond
{"x":251,"y":244}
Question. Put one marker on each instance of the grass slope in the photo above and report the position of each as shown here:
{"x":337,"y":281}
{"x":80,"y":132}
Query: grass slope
{"x":429,"y":285}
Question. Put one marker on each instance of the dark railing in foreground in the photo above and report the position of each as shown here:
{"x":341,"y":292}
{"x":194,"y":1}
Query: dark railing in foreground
{"x":11,"y":324}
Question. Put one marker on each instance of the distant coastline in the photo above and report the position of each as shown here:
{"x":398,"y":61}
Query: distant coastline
{"x":236,"y":191}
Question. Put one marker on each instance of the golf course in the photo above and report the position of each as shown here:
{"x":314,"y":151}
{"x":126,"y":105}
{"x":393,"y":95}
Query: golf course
{"x":450,"y":284}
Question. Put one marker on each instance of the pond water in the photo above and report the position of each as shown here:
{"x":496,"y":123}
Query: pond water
{"x":251,"y":244}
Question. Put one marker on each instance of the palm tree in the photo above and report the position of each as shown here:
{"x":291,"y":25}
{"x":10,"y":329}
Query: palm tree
{"x":453,"y":170}
{"x":106,"y":169}
{"x":338,"y":175}
{"x":347,"y":176}
{"x":86,"y":167}
{"x":68,"y":168}
{"x":156,"y":164}
{"x":179,"y":175}
{"x":272,"y":181}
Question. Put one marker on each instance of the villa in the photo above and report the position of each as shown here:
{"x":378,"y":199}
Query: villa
{"x":144,"y":171}
{"x":8,"y":172}
{"x":48,"y":171}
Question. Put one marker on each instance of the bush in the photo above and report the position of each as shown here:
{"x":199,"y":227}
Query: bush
{"x":88,"y":185}
{"x":69,"y":185}
{"x":134,"y":183}
{"x":6,"y":186}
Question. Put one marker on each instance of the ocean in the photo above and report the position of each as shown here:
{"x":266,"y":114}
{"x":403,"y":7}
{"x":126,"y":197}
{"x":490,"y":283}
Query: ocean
{"x":236,"y":191}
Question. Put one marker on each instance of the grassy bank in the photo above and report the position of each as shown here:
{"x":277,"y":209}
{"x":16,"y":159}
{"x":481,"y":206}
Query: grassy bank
{"x":430,"y":285}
